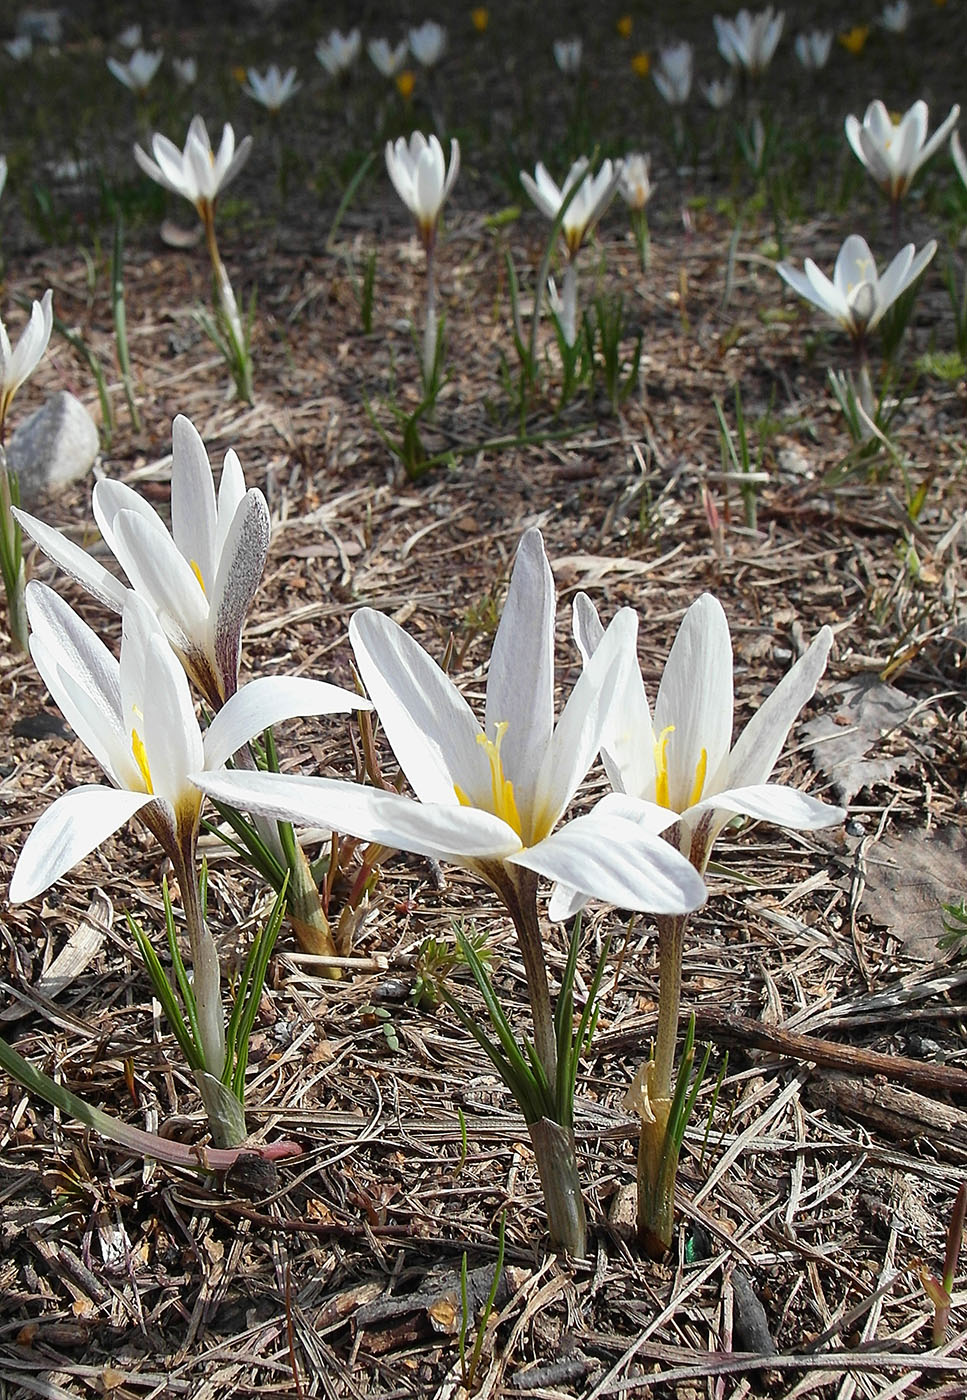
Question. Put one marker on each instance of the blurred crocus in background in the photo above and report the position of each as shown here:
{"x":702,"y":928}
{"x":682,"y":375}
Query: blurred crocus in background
{"x":423,"y":182}
{"x":718,"y":93}
{"x":3,"y":173}
{"x":199,"y":175}
{"x":273,"y":88}
{"x":590,"y":196}
{"x":386,"y":59}
{"x":186,"y":70}
{"x":749,"y":41}
{"x":338,"y":52}
{"x":428,"y":42}
{"x":895,"y":17}
{"x":857,"y":298}
{"x":567,"y":55}
{"x":635,"y":188}
{"x":673,"y":72}
{"x":812,"y":48}
{"x":137,"y":73}
{"x":894,"y":149}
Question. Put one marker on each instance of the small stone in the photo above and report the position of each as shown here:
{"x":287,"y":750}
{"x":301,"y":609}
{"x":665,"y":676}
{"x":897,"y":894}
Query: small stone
{"x":53,"y":447}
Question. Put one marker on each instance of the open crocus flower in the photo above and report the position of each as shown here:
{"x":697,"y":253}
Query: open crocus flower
{"x":634,"y":184}
{"x":858,"y":297}
{"x":428,"y":42}
{"x":19,"y":363}
{"x":389,"y":61}
{"x":197,"y":173}
{"x":489,"y":796}
{"x":718,"y":92}
{"x":812,"y":48}
{"x":673,"y":72}
{"x":894,"y":150}
{"x":421,"y":178}
{"x":137,"y":73}
{"x":749,"y":40}
{"x":273,"y":88}
{"x":339,"y":52}
{"x":684,"y":759}
{"x":588,"y":197}
{"x":200,"y":578}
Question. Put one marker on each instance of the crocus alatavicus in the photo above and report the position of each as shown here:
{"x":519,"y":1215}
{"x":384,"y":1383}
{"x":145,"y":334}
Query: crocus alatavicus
{"x":857,"y":298}
{"x":590,"y":198}
{"x":388,"y":60}
{"x":137,"y":73}
{"x":488,"y":797}
{"x":749,"y":41}
{"x":673,"y":72}
{"x":428,"y":42}
{"x":136,"y":718}
{"x":635,"y":188}
{"x":200,"y":578}
{"x":273,"y":88}
{"x":684,"y":761}
{"x":423,"y":181}
{"x":567,"y":56}
{"x":339,"y":51}
{"x":895,"y":16}
{"x":19,"y":362}
{"x":812,"y":48}
{"x":894,"y":150}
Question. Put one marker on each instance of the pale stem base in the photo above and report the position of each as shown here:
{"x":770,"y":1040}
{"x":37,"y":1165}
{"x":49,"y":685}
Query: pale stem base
{"x":569,"y":302}
{"x":556,"y":1157}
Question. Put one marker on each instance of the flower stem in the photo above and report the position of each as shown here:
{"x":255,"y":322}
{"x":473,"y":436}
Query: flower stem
{"x":11,"y":556}
{"x":430,"y":324}
{"x":657,"y":1159}
{"x":226,"y":304}
{"x":522,"y":906}
{"x":569,"y":301}
{"x":554,"y":1152}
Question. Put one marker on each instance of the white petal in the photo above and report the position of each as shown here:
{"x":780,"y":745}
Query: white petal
{"x":68,"y":830}
{"x":628,"y":743}
{"x":694,"y":702}
{"x":520,"y":681}
{"x":771,"y":802}
{"x":614,"y":860}
{"x":172,"y":738}
{"x":760,"y":743}
{"x":429,"y":725}
{"x":75,"y":562}
{"x":267,"y":701}
{"x":443,"y":833}
{"x":164,"y":579}
{"x":236,"y":583}
{"x":193,"y":512}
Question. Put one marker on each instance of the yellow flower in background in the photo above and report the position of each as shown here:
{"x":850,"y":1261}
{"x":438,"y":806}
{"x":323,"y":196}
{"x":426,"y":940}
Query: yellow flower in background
{"x":240,"y":73}
{"x":641,"y":63}
{"x":854,"y":39}
{"x":480,"y":18}
{"x":624,"y":26}
{"x":405,"y":82}
{"x":940,"y":3}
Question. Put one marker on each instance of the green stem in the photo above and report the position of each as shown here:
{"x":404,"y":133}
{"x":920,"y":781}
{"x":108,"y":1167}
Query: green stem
{"x":520,"y":896}
{"x":671,"y":939}
{"x":556,"y":1157}
{"x":11,"y":556}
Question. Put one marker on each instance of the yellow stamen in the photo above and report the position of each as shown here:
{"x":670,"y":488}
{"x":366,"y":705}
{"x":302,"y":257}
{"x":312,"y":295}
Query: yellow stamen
{"x":141,"y":759}
{"x":197,"y":572}
{"x":661,"y":765}
{"x":701,"y":768}
{"x":502,"y":789}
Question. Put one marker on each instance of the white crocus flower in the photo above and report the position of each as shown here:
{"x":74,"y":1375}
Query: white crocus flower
{"x":137,"y":73}
{"x":387,"y":60}
{"x":858,"y":297}
{"x":136,"y":718}
{"x":421,"y":178}
{"x":684,"y":759}
{"x":20,"y":47}
{"x":130,"y":38}
{"x":428,"y":42}
{"x":960,"y":160}
{"x":339,"y":52}
{"x":894,"y":150}
{"x":634,"y":184}
{"x":186,"y":70}
{"x":812,"y":49}
{"x":593,"y":195}
{"x":200,"y":578}
{"x":3,"y":173}
{"x":567,"y":55}
{"x":749,"y":40}
{"x":718,"y":93}
{"x":273,"y":88}
{"x":895,"y":17}
{"x":673,"y":72}
{"x":197,"y":173}
{"x":488,"y":796}
{"x":18,"y":363}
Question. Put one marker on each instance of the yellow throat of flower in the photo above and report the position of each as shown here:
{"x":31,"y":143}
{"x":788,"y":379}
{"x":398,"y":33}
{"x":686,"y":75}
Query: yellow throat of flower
{"x":661,"y":772}
{"x":501,"y":788}
{"x":141,"y":759}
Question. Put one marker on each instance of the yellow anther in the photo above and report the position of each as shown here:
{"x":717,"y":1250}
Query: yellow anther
{"x":141,"y":759}
{"x":502,"y":789}
{"x":701,"y":768}
{"x":661,"y":766}
{"x":197,"y":572}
